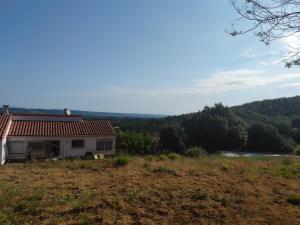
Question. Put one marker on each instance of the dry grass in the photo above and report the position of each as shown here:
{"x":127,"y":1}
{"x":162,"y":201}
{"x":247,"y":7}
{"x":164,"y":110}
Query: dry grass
{"x":184,"y":191}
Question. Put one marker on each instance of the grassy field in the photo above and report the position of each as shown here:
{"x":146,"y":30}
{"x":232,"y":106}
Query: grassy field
{"x":150,"y":190}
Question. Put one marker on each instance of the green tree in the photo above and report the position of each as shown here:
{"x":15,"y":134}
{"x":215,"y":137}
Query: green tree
{"x":172,"y":138}
{"x":134,"y":143}
{"x":265,"y":138}
{"x":296,"y":122}
{"x":215,"y":128}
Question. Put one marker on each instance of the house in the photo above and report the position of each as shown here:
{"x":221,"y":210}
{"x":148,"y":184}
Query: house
{"x":28,"y":136}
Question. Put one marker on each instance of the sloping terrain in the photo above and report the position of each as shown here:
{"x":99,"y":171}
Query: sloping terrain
{"x":269,"y":110}
{"x":188,"y":191}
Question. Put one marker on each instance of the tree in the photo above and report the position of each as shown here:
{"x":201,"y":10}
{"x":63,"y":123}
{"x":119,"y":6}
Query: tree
{"x":265,"y":138}
{"x":296,"y":122}
{"x":172,"y":138}
{"x":215,"y":128}
{"x":271,"y":20}
{"x":134,"y":143}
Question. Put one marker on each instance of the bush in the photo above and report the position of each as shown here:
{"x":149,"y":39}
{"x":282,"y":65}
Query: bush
{"x":294,"y":199}
{"x":224,"y":167}
{"x":149,"y":158}
{"x":164,"y":170}
{"x":122,"y":160}
{"x":162,"y":157}
{"x":196,"y":152}
{"x":174,"y":156}
{"x":200,"y":195}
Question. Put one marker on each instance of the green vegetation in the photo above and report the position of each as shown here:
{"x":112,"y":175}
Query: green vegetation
{"x":164,"y":170}
{"x":200,"y":195}
{"x":172,"y":138}
{"x":269,"y":126}
{"x":173,"y":156}
{"x":294,"y":199}
{"x":196,"y":152}
{"x":135,"y":143}
{"x":122,"y":160}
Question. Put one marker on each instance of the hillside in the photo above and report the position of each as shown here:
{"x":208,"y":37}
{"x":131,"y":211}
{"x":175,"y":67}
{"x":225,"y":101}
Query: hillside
{"x":212,"y":190}
{"x":268,"y":110}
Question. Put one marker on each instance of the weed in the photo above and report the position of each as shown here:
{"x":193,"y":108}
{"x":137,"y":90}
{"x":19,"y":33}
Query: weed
{"x":164,"y":170}
{"x":196,"y":152}
{"x":294,"y":199}
{"x":224,"y":201}
{"x":29,"y":205}
{"x":122,"y":160}
{"x":162,"y":157}
{"x":200,"y":196}
{"x":224,"y":167}
{"x":149,"y":158}
{"x":132,"y":195}
{"x":201,"y":206}
{"x":85,"y":219}
{"x":289,"y":172}
{"x":174,"y":156}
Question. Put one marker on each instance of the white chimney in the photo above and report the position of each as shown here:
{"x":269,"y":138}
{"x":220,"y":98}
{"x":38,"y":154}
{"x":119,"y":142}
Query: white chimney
{"x":67,"y":111}
{"x":5,"y":109}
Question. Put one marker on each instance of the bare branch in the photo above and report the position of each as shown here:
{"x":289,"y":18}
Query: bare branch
{"x":272,"y":19}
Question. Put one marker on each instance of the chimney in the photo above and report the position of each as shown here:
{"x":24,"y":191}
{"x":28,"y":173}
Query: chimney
{"x":67,"y":112}
{"x":5,"y":109}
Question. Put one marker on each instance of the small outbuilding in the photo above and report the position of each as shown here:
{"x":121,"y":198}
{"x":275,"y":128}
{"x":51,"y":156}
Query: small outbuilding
{"x":39,"y":136}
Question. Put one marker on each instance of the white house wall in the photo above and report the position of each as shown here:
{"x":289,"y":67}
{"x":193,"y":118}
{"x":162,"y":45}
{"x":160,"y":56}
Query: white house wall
{"x":66,"y":149}
{"x":3,"y":153}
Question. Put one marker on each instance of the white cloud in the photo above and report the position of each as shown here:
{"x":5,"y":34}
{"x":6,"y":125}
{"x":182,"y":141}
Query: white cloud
{"x":296,"y":84}
{"x":292,"y":42}
{"x":219,"y":82}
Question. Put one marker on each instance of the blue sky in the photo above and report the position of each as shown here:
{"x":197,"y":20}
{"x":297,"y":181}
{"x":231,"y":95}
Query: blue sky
{"x":164,"y":57}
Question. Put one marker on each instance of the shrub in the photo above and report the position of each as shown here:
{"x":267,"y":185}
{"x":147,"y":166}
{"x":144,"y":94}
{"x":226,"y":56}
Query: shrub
{"x":196,"y":152}
{"x":149,"y":158}
{"x":200,"y":195}
{"x":164,"y":170}
{"x":224,"y":167}
{"x":174,"y":156}
{"x":122,"y":160}
{"x":162,"y":157}
{"x":294,"y":199}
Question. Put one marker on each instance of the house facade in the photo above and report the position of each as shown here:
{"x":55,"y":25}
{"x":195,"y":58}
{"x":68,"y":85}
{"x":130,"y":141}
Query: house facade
{"x":29,"y":136}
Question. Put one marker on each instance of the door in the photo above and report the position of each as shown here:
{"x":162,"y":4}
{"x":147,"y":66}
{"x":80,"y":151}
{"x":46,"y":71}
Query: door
{"x":16,"y":150}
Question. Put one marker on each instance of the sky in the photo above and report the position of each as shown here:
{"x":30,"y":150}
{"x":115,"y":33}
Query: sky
{"x":155,"y":57}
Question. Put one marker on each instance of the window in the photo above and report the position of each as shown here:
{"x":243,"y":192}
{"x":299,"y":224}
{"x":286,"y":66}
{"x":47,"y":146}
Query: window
{"x":78,"y":144}
{"x":108,"y":145}
{"x":104,"y":145}
{"x":100,"y":146}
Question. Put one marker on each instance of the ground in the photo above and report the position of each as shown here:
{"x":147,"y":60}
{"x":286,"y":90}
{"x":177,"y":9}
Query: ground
{"x":209,"y":190}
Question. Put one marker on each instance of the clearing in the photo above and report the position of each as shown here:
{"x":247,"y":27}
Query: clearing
{"x":209,"y":190}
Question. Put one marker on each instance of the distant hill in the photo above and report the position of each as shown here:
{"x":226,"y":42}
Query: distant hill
{"x":269,"y":110}
{"x":86,"y":114}
{"x":265,"y":110}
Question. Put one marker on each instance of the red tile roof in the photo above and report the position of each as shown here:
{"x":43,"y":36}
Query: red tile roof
{"x":59,"y":128}
{"x":4,"y":119}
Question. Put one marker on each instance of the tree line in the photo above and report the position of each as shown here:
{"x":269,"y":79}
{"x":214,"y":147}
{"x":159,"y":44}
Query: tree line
{"x":215,"y":128}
